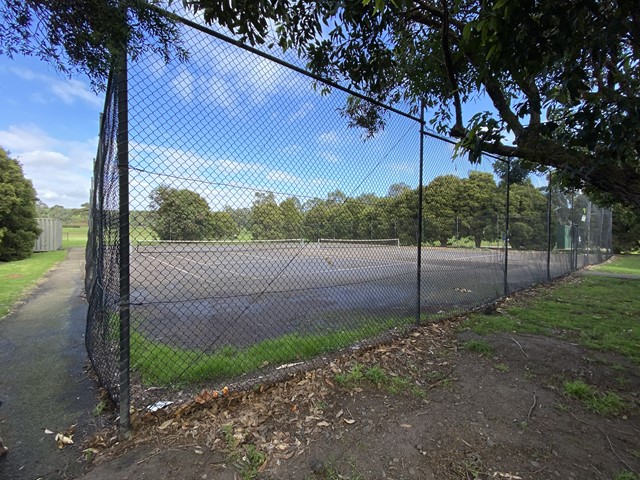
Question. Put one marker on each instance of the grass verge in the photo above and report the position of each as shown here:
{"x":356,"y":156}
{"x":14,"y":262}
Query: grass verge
{"x":17,"y":277}
{"x":597,"y":312}
{"x":161,"y":364}
{"x":627,"y":264}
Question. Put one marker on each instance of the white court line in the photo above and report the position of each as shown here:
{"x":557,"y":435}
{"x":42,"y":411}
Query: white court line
{"x":220,"y":268}
{"x":179,"y":269}
{"x":471,"y":257}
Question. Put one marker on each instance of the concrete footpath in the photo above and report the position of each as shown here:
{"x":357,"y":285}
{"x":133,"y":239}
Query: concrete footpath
{"x":43,"y":383}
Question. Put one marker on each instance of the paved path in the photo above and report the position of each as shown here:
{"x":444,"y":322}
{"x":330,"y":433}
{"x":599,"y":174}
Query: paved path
{"x":42,"y":381}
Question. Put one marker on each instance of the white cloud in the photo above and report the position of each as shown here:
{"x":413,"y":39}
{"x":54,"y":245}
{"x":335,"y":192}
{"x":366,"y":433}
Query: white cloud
{"x":71,"y":90}
{"x":304,"y":110}
{"x":331,"y":138}
{"x":220,"y":92}
{"x":67,"y":90}
{"x":291,"y":149}
{"x":404,"y":167}
{"x":59,"y":169}
{"x":183,"y":84}
{"x":329,"y":157}
{"x":23,"y":138}
{"x":232,"y":166}
{"x":280,"y":176}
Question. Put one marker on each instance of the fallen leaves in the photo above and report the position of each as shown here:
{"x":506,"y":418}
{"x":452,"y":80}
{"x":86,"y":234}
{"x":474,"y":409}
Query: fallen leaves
{"x":62,"y":440}
{"x":280,"y":420}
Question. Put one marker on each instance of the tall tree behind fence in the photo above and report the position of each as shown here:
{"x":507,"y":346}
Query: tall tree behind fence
{"x":241,"y":223}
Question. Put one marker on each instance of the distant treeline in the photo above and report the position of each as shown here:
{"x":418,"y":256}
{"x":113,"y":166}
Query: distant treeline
{"x":454,"y":208}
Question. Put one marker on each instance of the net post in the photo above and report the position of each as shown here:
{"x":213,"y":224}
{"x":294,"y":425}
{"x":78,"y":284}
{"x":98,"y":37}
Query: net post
{"x":549,"y":228}
{"x":419,"y":236}
{"x":506,"y":231}
{"x":124,"y":396}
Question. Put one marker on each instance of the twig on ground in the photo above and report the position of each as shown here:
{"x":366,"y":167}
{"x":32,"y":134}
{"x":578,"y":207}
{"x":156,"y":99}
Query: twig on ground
{"x":616,"y":454}
{"x":626,"y":465}
{"x":533,"y":405}
{"x":521,"y":349}
{"x":158,"y":450}
{"x":467,"y":444}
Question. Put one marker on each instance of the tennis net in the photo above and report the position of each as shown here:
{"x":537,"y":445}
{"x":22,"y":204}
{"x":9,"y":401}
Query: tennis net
{"x":357,"y":243}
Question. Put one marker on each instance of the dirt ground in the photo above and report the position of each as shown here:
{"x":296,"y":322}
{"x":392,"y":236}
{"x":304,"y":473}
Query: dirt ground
{"x":420,"y":407}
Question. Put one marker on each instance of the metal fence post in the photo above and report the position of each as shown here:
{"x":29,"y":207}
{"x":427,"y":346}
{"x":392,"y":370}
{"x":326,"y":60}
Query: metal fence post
{"x":549,"y":228}
{"x":506,"y":233}
{"x":574,"y":236}
{"x":123,"y":226}
{"x":420,"y":181}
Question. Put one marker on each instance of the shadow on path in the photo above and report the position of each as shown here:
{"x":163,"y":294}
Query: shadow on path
{"x":42,"y":381}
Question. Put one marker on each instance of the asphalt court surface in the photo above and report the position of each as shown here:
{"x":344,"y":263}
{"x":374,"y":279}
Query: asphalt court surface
{"x":240,"y":294}
{"x":233,"y":270}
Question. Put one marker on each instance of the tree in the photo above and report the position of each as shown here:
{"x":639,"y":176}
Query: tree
{"x":267,"y":221}
{"x":442,"y":207}
{"x":518,"y":173}
{"x":528,"y":217}
{"x":626,"y":229}
{"x":481,"y":205}
{"x":180,"y":214}
{"x":18,"y":227}
{"x":87,"y":35}
{"x":223,"y":226}
{"x":563,"y":76}
{"x":292,"y":218}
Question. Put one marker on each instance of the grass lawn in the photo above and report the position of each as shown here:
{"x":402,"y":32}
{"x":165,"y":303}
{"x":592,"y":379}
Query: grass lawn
{"x":160,"y":364}
{"x":17,"y":277}
{"x":621,"y":264}
{"x":598,"y":312}
{"x":74,"y":237}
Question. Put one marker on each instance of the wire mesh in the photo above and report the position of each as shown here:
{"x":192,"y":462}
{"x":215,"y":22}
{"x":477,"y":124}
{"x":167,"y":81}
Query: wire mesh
{"x":266,"y":231}
{"x":102,"y":281}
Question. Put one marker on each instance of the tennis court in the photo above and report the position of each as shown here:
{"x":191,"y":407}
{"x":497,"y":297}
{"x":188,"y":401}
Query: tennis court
{"x":210,"y":294}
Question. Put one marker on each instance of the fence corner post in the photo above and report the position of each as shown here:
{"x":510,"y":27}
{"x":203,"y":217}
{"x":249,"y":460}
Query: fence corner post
{"x":419,"y":236}
{"x":124,"y":395}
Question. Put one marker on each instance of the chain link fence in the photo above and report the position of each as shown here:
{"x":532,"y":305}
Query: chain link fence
{"x":102,"y":256}
{"x":258,"y":228}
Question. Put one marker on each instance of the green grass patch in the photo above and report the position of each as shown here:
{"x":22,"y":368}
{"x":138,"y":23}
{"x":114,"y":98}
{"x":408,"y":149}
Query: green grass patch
{"x":628,"y":264}
{"x":597,"y":312}
{"x":478,"y":346}
{"x":161,"y":364}
{"x":626,"y":475}
{"x":17,"y":277}
{"x":603,"y":403}
{"x":359,"y":375}
{"x":74,"y":237}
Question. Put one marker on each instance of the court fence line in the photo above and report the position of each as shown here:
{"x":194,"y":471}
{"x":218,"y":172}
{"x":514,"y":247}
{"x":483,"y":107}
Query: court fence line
{"x":217,"y":185}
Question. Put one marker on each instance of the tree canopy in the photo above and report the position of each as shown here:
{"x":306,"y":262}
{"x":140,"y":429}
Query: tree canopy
{"x":563,"y":76}
{"x":181,"y":214}
{"x":86,"y":35}
{"x":18,"y":227}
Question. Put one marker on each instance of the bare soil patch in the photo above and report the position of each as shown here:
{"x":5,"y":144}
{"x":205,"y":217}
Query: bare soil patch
{"x":420,"y":407}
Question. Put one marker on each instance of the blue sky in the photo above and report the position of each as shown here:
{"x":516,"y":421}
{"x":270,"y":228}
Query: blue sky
{"x":50,"y":124}
{"x":227,"y":124}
